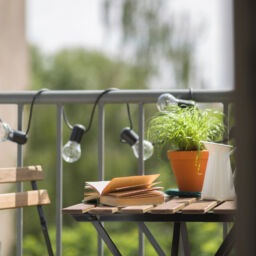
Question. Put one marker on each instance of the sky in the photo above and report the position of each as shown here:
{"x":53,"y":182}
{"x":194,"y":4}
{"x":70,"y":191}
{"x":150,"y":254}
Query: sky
{"x":55,"y":24}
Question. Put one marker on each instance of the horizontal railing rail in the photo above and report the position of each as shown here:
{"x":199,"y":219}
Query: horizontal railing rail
{"x":115,"y":96}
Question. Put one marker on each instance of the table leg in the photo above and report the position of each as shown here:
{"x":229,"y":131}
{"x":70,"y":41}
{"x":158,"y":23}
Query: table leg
{"x":175,"y":239}
{"x":151,"y":239}
{"x":105,"y":236}
{"x":185,"y":240}
{"x":180,"y":228}
{"x":227,"y":243}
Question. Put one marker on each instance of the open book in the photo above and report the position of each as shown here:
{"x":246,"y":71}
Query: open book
{"x":125,"y":191}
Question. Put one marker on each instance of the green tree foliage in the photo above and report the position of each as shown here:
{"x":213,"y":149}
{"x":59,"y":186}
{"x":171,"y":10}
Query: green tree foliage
{"x":154,"y":39}
{"x":78,"y":69}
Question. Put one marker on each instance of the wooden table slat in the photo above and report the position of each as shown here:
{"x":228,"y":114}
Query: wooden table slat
{"x":172,"y":205}
{"x":78,"y":208}
{"x":137,"y":209}
{"x":103,"y":210}
{"x":200,"y":206}
{"x":226,"y":207}
{"x":185,"y":205}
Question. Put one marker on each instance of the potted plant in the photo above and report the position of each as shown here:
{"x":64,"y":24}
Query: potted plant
{"x":181,"y":130}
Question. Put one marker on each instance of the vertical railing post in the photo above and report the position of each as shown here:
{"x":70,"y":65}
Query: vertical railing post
{"x":101,"y":140}
{"x":59,"y":181}
{"x":19,"y":235}
{"x":101,"y":158}
{"x":141,"y":138}
{"x":141,"y":167}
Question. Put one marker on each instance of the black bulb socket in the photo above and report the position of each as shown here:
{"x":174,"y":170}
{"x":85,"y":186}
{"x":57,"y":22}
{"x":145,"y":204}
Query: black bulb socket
{"x":18,"y":136}
{"x":77,"y":133}
{"x":185,"y":103}
{"x":129,"y":136}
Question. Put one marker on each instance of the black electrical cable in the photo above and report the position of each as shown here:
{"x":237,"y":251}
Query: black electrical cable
{"x":31,"y":108}
{"x":94,"y":107}
{"x":69,"y":125}
{"x":92,"y":113}
{"x":129,"y":116}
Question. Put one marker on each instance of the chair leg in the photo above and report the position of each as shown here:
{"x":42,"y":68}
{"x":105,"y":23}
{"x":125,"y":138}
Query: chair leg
{"x":43,"y":223}
{"x":45,"y":230}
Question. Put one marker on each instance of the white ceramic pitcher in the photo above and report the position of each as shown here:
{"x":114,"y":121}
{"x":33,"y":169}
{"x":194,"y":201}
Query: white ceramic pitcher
{"x":218,"y":181}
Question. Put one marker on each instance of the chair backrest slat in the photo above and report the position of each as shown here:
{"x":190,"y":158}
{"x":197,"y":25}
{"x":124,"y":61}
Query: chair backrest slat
{"x":18,"y":174}
{"x":22,"y":199}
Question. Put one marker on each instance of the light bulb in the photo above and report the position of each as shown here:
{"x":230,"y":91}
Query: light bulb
{"x":129,"y":136}
{"x":7,"y":133}
{"x":72,"y":150}
{"x":165,"y":100}
{"x":148,"y":149}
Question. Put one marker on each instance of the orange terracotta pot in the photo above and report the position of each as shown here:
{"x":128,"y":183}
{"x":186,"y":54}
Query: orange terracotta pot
{"x":189,"y":168}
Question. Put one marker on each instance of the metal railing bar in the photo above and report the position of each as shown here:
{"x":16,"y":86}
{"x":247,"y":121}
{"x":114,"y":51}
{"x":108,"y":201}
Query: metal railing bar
{"x":59,"y":180}
{"x":141,"y":170}
{"x":141,"y":138}
{"x":118,"y":96}
{"x":19,"y":223}
{"x":101,"y":140}
{"x":101,"y":159}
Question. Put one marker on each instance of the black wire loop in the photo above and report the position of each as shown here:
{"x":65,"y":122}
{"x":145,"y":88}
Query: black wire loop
{"x":129,"y":115}
{"x":92,"y":113}
{"x":31,"y":108}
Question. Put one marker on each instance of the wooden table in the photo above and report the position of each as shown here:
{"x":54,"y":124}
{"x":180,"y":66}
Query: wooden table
{"x":176,"y":210}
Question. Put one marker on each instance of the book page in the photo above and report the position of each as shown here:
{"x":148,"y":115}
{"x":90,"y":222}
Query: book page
{"x":130,"y":181}
{"x":128,"y":193}
{"x":97,"y":185}
{"x":153,"y":197}
{"x":135,"y":187}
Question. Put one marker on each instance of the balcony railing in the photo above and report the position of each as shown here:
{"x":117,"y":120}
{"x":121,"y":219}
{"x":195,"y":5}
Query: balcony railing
{"x":60,"y":98}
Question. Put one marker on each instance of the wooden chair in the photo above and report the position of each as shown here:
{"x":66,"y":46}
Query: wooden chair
{"x":35,"y":197}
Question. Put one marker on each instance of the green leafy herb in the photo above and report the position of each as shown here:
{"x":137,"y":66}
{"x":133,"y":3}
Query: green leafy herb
{"x":184,"y":128}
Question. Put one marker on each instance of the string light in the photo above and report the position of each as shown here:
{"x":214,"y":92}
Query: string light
{"x":71,"y":151}
{"x":19,"y":137}
{"x":129,"y":136}
{"x":165,"y":100}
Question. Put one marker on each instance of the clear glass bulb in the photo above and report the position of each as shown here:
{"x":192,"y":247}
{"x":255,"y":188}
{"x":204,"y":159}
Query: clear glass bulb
{"x":5,"y":130}
{"x":7,"y":133}
{"x":148,"y":149}
{"x":129,"y":136}
{"x":71,"y":151}
{"x":166,"y":99}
